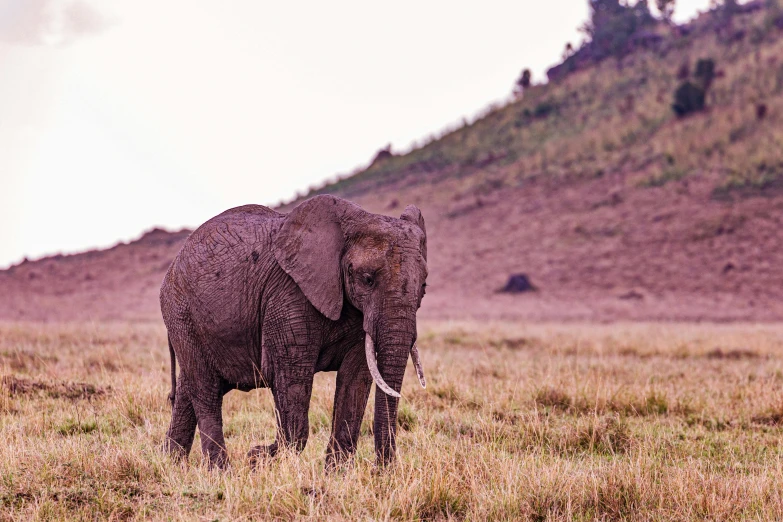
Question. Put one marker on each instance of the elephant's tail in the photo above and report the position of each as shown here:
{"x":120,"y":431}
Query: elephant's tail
{"x":173,"y":393}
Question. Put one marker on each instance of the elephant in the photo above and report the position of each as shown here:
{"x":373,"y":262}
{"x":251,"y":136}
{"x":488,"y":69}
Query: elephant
{"x":260,"y":299}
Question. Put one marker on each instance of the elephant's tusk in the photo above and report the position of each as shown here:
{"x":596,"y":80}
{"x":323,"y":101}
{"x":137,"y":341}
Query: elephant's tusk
{"x":417,"y":364}
{"x":369,"y":351}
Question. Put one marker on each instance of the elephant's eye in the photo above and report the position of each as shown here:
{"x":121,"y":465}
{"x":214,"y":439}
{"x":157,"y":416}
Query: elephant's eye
{"x":368,"y":279}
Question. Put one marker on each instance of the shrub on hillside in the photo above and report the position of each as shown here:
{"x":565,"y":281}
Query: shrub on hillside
{"x":774,"y":16}
{"x":705,"y":73}
{"x":544,"y":109}
{"x":761,"y":111}
{"x":688,"y":98}
{"x":729,"y":7}
{"x":382,"y":155}
{"x":684,"y":72}
{"x":523,"y":82}
{"x":691,"y":95}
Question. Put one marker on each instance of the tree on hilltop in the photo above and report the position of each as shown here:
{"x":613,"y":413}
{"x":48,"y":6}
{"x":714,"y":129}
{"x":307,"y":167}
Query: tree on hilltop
{"x":726,"y":8}
{"x":612,"y":24}
{"x":523,"y":82}
{"x":666,"y":8}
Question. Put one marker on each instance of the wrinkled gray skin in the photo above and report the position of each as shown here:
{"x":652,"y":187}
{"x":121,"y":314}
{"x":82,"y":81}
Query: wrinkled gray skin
{"x":256,"y":298}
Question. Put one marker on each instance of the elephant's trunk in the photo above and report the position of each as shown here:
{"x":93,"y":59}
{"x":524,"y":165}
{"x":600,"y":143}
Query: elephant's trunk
{"x":387,"y":359}
{"x":392,"y":362}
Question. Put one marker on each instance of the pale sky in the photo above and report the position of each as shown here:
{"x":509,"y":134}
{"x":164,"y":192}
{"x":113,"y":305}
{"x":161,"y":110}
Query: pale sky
{"x":120,"y":115}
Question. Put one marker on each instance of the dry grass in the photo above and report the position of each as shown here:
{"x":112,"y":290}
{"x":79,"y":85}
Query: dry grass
{"x":641,"y":422}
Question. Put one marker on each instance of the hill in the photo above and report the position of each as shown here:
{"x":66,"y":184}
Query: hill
{"x":589,"y":184}
{"x":121,"y":282}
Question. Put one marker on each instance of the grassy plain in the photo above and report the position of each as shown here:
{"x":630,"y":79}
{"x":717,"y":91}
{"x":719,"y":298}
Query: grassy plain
{"x":585,"y":422}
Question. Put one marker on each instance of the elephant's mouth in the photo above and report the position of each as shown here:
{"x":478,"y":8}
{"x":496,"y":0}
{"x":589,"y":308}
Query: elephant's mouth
{"x":372,"y":364}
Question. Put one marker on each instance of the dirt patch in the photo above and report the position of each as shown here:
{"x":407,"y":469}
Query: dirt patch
{"x":516,"y":343}
{"x":22,"y":360}
{"x":54,"y":389}
{"x":769,"y":418}
{"x":732,"y":354}
{"x":647,"y":404}
{"x":552,"y":398}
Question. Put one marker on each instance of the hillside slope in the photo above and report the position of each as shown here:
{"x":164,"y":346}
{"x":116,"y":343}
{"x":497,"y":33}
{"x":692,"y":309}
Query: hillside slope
{"x":121,"y":282}
{"x":615,"y":208}
{"x":615,"y":117}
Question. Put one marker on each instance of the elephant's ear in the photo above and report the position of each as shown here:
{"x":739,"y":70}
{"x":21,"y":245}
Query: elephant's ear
{"x":308,"y":247}
{"x":413,"y":215}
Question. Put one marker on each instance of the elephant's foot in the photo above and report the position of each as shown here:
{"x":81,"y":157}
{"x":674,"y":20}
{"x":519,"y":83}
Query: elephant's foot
{"x":336,"y":461}
{"x":336,"y":458}
{"x":176,"y":451}
{"x":219,"y":461}
{"x":259,"y":453}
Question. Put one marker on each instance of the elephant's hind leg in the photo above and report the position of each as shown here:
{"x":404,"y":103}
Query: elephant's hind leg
{"x":208,"y":405}
{"x":179,"y":438}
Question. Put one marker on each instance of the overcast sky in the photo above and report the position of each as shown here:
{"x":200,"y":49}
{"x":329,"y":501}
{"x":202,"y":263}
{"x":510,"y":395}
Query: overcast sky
{"x":120,"y":115}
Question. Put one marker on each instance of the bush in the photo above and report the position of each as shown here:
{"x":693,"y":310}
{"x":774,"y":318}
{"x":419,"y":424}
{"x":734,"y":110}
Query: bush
{"x":523,"y":82}
{"x":705,"y":73}
{"x":729,"y":7}
{"x":684,"y":72}
{"x":691,"y":95}
{"x":773,"y":19}
{"x":688,"y":98}
{"x":544,"y":109}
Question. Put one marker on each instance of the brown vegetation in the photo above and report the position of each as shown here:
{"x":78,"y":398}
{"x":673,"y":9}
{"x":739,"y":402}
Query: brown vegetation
{"x":632,"y":422}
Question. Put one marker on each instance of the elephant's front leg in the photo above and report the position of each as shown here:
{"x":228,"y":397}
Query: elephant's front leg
{"x":291,"y":389}
{"x":350,"y":400}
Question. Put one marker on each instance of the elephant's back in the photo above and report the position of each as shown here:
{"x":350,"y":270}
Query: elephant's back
{"x":243,"y":217}
{"x":250,"y":212}
{"x":227,"y":237}
{"x":223,"y":266}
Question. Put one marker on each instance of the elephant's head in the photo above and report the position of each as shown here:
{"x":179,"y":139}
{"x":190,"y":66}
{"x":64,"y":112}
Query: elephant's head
{"x":337,"y":252}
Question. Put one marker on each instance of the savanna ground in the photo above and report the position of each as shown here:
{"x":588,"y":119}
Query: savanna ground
{"x":636,"y":421}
